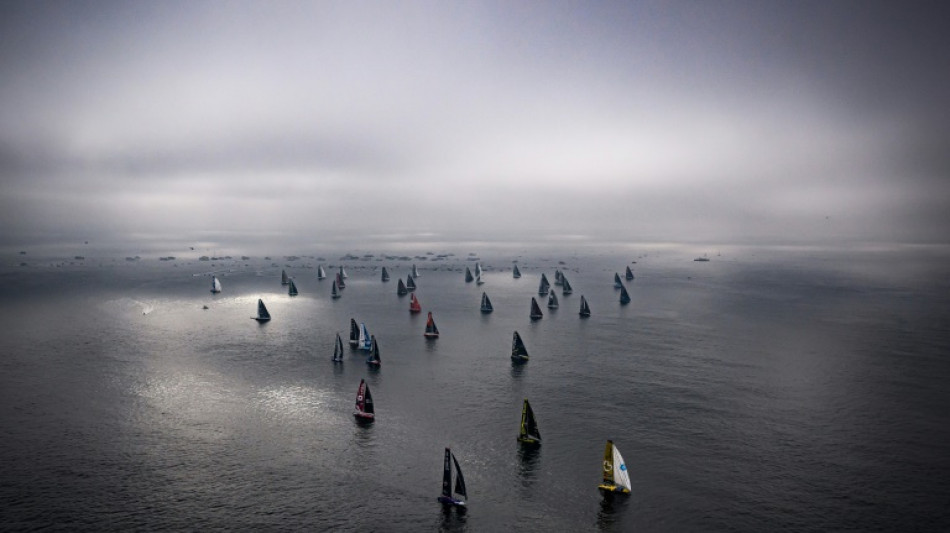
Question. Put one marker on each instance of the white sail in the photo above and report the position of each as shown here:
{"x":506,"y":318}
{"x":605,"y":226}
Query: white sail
{"x":621,"y":477}
{"x":215,"y":285}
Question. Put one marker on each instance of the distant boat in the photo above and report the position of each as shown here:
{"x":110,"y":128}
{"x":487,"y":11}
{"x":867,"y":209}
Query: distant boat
{"x":339,"y":281}
{"x":335,"y":292}
{"x":415,"y":273}
{"x":410,"y":283}
{"x":629,"y":274}
{"x":343,"y":272}
{"x":215,"y":285}
{"x":544,"y":286}
{"x":519,"y":353}
{"x":447,"y":497}
{"x":478,"y":269}
{"x":552,"y":301}
{"x":565,"y":286}
{"x":385,"y":276}
{"x":624,"y":296}
{"x":365,"y":340}
{"x":284,"y":280}
{"x":292,"y":289}
{"x":338,"y":349}
{"x":616,"y":478}
{"x":321,"y":274}
{"x":373,"y":359}
{"x":478,"y":279}
{"x":558,"y":277}
{"x":535,"y":310}
{"x":401,"y":289}
{"x":364,"y":403}
{"x":529,"y":433}
{"x":585,"y":309}
{"x":617,"y":283}
{"x":414,"y":306}
{"x":468,"y":276}
{"x":702,"y":259}
{"x":486,"y":304}
{"x":515,"y":273}
{"x":262,"y":314}
{"x":354,"y":333}
{"x":432,"y":331}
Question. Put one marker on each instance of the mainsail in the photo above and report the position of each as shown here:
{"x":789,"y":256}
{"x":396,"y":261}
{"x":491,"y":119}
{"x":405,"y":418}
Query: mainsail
{"x":364,"y":402}
{"x":565,"y":286}
{"x":366,"y":342}
{"x":262,"y":314}
{"x":529,"y":433}
{"x":338,"y":349}
{"x":354,"y":333}
{"x":535,"y":310}
{"x":518,"y":350}
{"x":373,"y":358}
{"x":486,"y":304}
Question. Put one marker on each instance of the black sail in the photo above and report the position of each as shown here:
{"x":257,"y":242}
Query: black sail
{"x":459,"y":480}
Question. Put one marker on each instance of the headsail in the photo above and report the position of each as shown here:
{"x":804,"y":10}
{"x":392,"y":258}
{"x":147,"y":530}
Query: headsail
{"x":518,"y":351}
{"x":486,"y":304}
{"x":535,"y":310}
{"x":459,"y":479}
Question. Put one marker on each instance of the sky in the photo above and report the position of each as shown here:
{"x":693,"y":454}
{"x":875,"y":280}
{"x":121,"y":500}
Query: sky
{"x":372,"y":123}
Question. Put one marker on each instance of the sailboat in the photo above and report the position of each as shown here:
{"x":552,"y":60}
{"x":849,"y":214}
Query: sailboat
{"x":544,"y":286}
{"x":262,"y":314}
{"x":364,"y":403}
{"x":401,"y":289}
{"x":335,"y":292}
{"x":410,"y":283}
{"x":519,"y":353}
{"x":321,"y":274}
{"x":415,"y":273}
{"x":339,"y":281}
{"x":478,"y":279}
{"x":478,"y":269}
{"x":515,"y":273}
{"x":284,"y":280}
{"x":617,"y":283}
{"x":624,"y":296}
{"x":215,"y":285}
{"x":616,"y":478}
{"x":385,"y":276}
{"x":414,"y":306}
{"x":447,"y":497}
{"x":292,"y":289}
{"x":552,"y":301}
{"x":565,"y":286}
{"x":486,"y":304}
{"x":529,"y":433}
{"x":468,"y":276}
{"x":338,"y":349}
{"x":558,"y":277}
{"x":535,"y":310}
{"x":343,"y":272}
{"x":354,"y":333}
{"x":365,"y":340}
{"x":585,"y":309}
{"x":432,"y":331}
{"x":629,"y":274}
{"x":373,"y":359}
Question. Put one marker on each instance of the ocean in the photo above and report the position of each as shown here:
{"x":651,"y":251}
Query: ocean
{"x":763,"y":390}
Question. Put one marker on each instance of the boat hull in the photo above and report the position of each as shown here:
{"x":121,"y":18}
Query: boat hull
{"x":259,"y":319}
{"x":529,"y":441}
{"x":364,"y":417}
{"x":519,"y":359}
{"x":609,"y":490}
{"x":445,"y":500}
{"x":431,"y":335}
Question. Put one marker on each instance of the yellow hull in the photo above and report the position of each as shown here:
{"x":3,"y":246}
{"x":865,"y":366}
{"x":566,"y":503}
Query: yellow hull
{"x":613,"y":489}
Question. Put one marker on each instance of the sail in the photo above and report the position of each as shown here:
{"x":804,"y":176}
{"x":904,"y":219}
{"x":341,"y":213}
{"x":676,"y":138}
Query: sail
{"x":621,"y":477}
{"x":414,"y":306}
{"x":478,"y":269}
{"x":624,"y":296}
{"x":518,"y":350}
{"x":609,"y":463}
{"x":432,"y":330}
{"x":558,"y":277}
{"x":335,"y":292}
{"x":486,"y":304}
{"x":552,"y":301}
{"x":535,"y":310}
{"x":468,"y":276}
{"x":459,"y":480}
{"x":373,"y":358}
{"x":401,"y":288}
{"x":629,"y":274}
{"x":565,"y":286}
{"x":321,"y":274}
{"x":410,"y":283}
{"x":365,"y":338}
{"x":338,"y":348}
{"x":385,"y":276}
{"x":415,"y":273}
{"x":339,"y":281}
{"x":343,"y":272}
{"x":544,"y":286}
{"x":354,"y":333}
{"x":585,"y":309}
{"x":531,"y":425}
{"x":262,"y":313}
{"x":292,"y":290}
{"x":515,"y":273}
{"x":364,"y":401}
{"x":447,"y":475}
{"x":617,"y":283}
{"x":478,"y":279}
{"x":283,"y":277}
{"x":215,"y":285}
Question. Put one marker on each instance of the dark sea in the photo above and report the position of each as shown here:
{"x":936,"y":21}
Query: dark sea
{"x":764,"y":390}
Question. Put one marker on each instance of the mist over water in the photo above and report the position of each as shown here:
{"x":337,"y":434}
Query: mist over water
{"x":762,"y":390}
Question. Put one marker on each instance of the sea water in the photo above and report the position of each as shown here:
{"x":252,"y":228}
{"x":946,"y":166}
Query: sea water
{"x":759,"y":391}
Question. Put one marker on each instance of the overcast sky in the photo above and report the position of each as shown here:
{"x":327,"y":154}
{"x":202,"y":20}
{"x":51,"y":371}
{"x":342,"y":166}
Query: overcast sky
{"x":378,"y":122}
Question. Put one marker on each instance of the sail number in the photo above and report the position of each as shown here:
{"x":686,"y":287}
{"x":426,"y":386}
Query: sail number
{"x":608,"y":466}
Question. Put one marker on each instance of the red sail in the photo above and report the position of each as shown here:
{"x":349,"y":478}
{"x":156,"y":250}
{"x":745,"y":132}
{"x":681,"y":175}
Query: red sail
{"x":414,"y":306}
